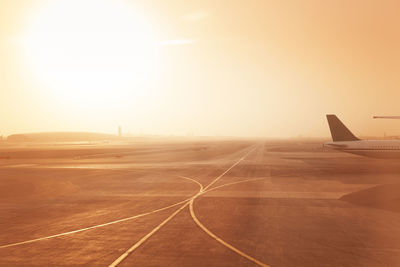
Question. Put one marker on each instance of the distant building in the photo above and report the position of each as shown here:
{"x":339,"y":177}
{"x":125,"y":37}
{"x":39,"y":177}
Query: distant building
{"x":119,"y":131}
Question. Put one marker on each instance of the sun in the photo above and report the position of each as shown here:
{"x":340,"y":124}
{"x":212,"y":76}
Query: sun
{"x":91,"y":51}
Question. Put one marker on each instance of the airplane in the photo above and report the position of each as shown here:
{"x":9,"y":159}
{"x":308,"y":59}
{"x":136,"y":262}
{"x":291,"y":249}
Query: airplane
{"x":344,"y":140}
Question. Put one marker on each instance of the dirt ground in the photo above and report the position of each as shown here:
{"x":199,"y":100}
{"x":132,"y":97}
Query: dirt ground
{"x":197,"y":203}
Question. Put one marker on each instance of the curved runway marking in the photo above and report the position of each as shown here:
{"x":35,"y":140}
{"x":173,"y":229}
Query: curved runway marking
{"x":193,"y":180}
{"x":205,"y":229}
{"x":103,"y":224}
{"x":188,"y":201}
{"x":152,"y":232}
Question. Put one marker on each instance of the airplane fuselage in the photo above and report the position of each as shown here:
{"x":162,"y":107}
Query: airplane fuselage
{"x":369,"y":148}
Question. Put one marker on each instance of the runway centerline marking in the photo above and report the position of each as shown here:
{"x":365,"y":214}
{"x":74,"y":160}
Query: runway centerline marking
{"x":152,"y":232}
{"x":207,"y":231}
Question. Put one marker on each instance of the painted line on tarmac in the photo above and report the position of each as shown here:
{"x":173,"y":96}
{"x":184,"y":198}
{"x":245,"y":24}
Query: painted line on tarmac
{"x":101,"y":225}
{"x":152,"y":232}
{"x":94,"y":226}
{"x":141,"y":241}
{"x":205,"y":229}
{"x":193,"y":180}
{"x":233,"y":183}
{"x":230,"y":168}
{"x":19,"y":166}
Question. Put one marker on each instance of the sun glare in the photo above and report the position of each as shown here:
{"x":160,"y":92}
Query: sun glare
{"x":92,"y":50}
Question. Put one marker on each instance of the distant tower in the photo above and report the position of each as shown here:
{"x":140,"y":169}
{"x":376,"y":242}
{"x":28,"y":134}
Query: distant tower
{"x":119,"y":131}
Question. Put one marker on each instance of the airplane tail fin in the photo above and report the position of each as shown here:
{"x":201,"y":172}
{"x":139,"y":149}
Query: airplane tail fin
{"x":339,"y":131}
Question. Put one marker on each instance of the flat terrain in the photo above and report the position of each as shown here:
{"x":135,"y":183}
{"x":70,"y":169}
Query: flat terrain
{"x":196,"y":203}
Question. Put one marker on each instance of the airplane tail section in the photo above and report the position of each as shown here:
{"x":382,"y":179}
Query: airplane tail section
{"x":339,"y":131}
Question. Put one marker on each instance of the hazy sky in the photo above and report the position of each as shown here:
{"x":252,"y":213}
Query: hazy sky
{"x":238,"y":68}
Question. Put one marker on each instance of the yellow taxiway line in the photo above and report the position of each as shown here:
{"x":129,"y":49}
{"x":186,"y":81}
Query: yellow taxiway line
{"x":152,"y":232}
{"x":226,"y":244}
{"x":100,"y":225}
{"x":185,"y":203}
{"x":205,"y":229}
{"x":141,"y":241}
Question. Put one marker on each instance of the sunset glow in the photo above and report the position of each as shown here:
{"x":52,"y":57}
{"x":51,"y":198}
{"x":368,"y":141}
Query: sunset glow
{"x":202,"y":68}
{"x":90,"y":52}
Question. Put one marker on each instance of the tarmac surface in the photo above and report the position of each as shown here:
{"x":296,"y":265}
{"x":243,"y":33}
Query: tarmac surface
{"x":197,"y":203}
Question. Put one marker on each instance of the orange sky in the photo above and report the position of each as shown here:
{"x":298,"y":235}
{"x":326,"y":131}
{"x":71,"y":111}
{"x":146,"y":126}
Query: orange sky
{"x":238,"y":68}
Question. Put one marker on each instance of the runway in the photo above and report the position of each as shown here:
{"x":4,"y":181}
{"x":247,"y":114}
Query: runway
{"x":219,"y":203}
